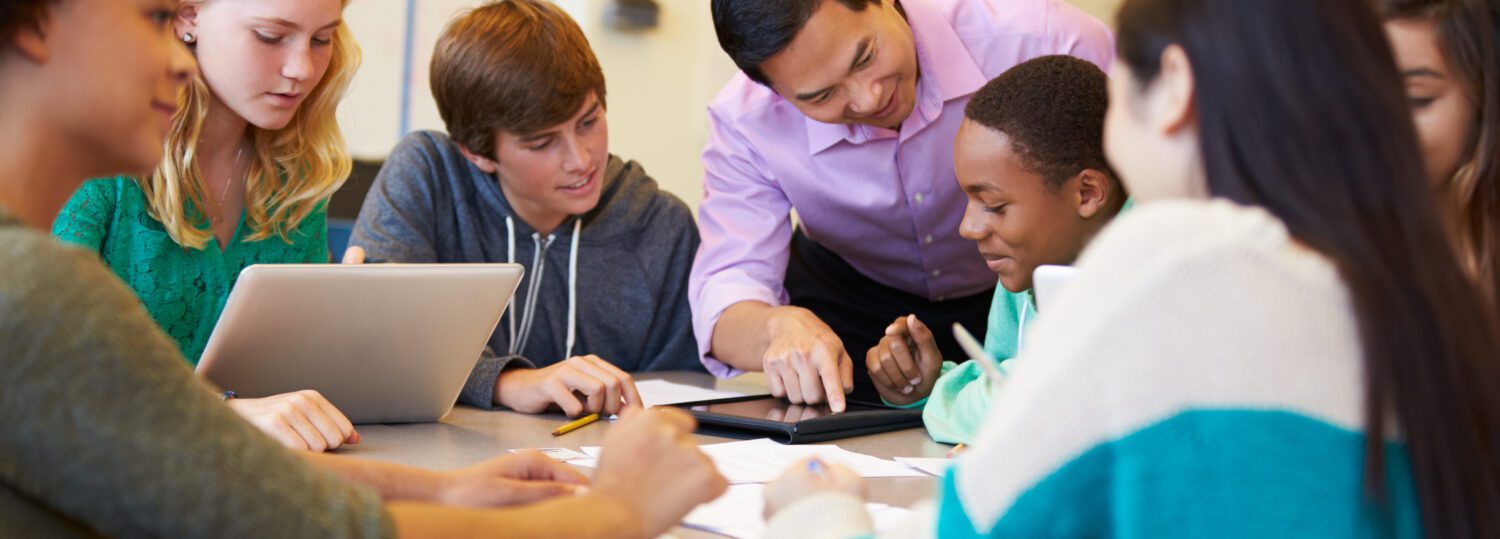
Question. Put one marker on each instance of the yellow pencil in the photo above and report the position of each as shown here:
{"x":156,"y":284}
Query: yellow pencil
{"x":570,"y":427}
{"x":956,"y":450}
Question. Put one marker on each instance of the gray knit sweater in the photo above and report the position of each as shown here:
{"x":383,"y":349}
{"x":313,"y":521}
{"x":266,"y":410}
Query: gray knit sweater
{"x":104,"y":430}
{"x":430,"y":204}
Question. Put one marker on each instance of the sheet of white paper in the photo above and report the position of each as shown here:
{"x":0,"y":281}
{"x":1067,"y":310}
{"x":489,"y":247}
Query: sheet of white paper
{"x":659,"y":392}
{"x":556,"y":453}
{"x":738,"y":513}
{"x":763,"y":460}
{"x":592,"y":452}
{"x":888,"y":517}
{"x":936,"y":467}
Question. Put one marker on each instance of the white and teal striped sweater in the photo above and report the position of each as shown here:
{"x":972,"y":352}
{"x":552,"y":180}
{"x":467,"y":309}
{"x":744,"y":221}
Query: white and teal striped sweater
{"x":1201,"y":378}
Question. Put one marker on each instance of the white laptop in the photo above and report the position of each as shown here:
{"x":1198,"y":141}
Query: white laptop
{"x":385,"y":343}
{"x":1047,"y":282}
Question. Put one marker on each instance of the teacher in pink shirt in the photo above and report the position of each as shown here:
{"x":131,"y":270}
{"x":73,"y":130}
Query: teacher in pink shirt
{"x":845,"y":111}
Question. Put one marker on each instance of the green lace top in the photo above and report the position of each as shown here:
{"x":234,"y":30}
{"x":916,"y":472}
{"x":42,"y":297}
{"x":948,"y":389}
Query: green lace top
{"x":183,"y":289}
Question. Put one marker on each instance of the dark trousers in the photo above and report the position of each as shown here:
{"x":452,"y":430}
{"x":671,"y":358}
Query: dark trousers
{"x":858,"y":309}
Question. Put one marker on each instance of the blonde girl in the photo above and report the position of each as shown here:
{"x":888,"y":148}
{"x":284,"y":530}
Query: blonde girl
{"x":252,"y":156}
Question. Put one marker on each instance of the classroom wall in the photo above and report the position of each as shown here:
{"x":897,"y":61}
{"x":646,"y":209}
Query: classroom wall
{"x":1103,"y":9}
{"x":660,"y":80}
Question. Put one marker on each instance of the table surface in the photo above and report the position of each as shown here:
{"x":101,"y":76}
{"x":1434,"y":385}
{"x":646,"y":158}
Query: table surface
{"x":470,"y":435}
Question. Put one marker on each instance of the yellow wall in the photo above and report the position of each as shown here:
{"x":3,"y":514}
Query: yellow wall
{"x":1103,"y":9}
{"x":660,"y":80}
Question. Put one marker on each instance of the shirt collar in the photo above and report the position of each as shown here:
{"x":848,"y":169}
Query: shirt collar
{"x":948,"y":72}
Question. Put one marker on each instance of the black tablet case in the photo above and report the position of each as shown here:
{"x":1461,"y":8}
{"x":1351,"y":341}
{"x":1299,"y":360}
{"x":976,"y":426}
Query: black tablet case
{"x":818,"y":429}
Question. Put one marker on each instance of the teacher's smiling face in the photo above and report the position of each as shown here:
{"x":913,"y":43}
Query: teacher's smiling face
{"x":849,"y":67}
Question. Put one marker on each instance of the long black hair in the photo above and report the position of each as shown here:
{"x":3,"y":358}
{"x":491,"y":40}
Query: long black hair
{"x":1468,"y":33}
{"x":1301,"y":112}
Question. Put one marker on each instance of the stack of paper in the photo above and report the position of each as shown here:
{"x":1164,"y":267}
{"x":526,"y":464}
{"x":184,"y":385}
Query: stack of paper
{"x":738,"y":513}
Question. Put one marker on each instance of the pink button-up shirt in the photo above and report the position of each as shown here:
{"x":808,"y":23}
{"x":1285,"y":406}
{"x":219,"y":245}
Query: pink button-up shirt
{"x":885,"y":201}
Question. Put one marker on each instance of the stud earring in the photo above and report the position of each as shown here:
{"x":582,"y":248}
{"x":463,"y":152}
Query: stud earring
{"x":188,"y":37}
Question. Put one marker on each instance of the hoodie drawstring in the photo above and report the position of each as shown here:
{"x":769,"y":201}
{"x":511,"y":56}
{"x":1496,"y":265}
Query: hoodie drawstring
{"x":573,"y":288}
{"x":535,"y":286}
{"x":510,"y":257}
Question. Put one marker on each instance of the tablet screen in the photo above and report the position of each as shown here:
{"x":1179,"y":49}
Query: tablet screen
{"x":775,"y":409}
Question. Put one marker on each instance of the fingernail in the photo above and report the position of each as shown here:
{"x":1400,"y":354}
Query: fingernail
{"x":915,"y":381}
{"x":906,"y":390}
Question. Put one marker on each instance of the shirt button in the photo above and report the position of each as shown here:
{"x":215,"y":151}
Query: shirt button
{"x":920,"y":197}
{"x":937,"y":273}
{"x":927,"y":239}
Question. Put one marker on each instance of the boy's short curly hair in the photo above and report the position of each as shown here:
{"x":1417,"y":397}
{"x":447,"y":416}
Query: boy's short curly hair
{"x":1052,"y":108}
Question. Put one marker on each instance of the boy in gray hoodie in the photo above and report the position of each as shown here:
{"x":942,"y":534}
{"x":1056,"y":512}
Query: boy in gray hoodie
{"x":527,"y":178}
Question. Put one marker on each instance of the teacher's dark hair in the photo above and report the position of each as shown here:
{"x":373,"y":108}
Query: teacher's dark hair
{"x":1301,"y":112}
{"x":751,"y":31}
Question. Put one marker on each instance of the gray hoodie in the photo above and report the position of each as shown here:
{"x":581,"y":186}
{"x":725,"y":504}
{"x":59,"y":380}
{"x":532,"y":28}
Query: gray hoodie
{"x":628,"y":301}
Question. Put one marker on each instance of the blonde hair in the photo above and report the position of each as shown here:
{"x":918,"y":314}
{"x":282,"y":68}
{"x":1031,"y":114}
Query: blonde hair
{"x":293,"y":169}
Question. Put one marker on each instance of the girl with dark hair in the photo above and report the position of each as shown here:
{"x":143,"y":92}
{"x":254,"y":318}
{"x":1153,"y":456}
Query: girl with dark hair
{"x":1448,"y":52}
{"x":1279,"y":341}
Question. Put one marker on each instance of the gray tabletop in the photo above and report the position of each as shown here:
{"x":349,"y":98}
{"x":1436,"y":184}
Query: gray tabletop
{"x":470,"y":435}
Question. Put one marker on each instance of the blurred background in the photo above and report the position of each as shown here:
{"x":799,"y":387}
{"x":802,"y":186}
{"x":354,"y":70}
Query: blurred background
{"x":660,"y":77}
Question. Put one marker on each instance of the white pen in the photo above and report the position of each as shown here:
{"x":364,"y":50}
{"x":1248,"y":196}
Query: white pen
{"x":976,"y":352}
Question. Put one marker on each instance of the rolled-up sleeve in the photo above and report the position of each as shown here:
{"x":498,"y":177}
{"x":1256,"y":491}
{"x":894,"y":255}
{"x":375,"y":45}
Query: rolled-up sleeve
{"x":746,"y":228}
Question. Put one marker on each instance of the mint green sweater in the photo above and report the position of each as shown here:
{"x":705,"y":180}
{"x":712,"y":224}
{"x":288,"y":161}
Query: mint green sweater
{"x":183,"y":289}
{"x":960,"y":399}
